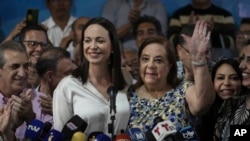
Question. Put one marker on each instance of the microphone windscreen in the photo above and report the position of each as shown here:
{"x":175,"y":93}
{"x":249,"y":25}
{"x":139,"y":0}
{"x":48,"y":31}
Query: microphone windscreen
{"x":136,"y":134}
{"x":46,"y":129}
{"x":93,"y":135}
{"x":150,"y":136}
{"x":34,"y":129}
{"x":122,"y":137}
{"x":79,"y":136}
{"x":188,"y":133}
{"x":163,"y":129}
{"x":102,"y":137}
{"x":157,"y":120}
{"x":54,"y":135}
{"x":73,"y":125}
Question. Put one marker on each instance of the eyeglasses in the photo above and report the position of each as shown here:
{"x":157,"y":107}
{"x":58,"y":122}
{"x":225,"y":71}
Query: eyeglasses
{"x":34,"y":44}
{"x":246,"y":33}
{"x":133,"y":63}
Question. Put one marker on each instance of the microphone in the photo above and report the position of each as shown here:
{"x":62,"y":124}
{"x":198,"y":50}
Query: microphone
{"x":175,"y":137}
{"x":112,"y":91}
{"x":149,"y":136}
{"x":93,"y":135}
{"x":189,"y":134}
{"x":54,"y":135}
{"x":163,"y":130}
{"x":102,"y":137}
{"x":79,"y":136}
{"x":122,"y":137}
{"x":73,"y":125}
{"x":34,"y":130}
{"x":136,"y":134}
{"x":46,"y":129}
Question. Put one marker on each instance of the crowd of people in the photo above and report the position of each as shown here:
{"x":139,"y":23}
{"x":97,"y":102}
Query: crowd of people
{"x":128,"y":69}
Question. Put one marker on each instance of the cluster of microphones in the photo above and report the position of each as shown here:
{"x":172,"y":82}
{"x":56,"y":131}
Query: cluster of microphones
{"x":74,"y":129}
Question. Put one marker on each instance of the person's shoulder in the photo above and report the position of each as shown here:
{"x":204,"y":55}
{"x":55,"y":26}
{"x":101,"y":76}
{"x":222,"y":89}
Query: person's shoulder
{"x":184,"y":84}
{"x":185,"y":10}
{"x":220,"y":10}
{"x":132,"y":94}
{"x":49,"y":22}
{"x":72,"y":19}
{"x":67,"y":85}
{"x":68,"y":79}
{"x":46,"y":20}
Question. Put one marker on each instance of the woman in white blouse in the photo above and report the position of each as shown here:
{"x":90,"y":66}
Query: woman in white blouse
{"x":85,"y":92}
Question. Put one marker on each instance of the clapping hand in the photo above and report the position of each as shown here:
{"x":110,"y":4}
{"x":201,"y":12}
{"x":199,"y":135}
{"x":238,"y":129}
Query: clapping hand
{"x":5,"y":117}
{"x":46,"y":104}
{"x":23,"y":106}
{"x":5,"y":122}
{"x":135,"y":13}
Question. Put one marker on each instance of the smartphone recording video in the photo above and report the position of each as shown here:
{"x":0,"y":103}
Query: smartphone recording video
{"x":32,"y":17}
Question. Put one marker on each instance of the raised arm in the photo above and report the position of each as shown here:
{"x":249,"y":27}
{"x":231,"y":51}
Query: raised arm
{"x":201,"y":95}
{"x":15,"y":31}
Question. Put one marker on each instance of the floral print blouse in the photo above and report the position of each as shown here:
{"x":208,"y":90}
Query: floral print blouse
{"x":171,"y":106}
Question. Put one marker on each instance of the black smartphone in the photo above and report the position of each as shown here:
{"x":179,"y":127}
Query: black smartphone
{"x":32,"y":16}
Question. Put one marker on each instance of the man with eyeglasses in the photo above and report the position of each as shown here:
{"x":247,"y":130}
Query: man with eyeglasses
{"x":131,"y":62}
{"x":14,"y":73}
{"x":243,"y":34}
{"x":35,"y":40}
